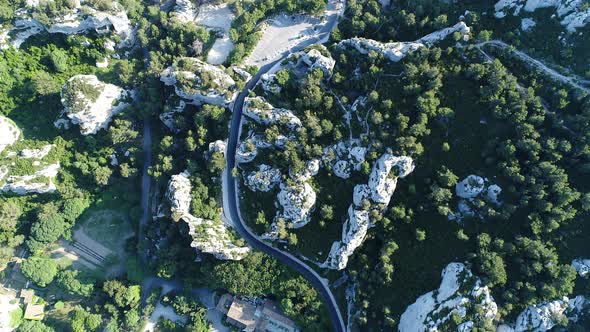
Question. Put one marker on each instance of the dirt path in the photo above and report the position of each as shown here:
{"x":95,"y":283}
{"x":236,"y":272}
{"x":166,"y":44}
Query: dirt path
{"x":572,"y":80}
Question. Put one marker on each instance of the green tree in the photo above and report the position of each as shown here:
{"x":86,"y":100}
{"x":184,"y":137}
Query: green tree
{"x":40,"y":270}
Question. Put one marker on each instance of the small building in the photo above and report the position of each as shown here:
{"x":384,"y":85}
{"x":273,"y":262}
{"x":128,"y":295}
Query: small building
{"x":242,"y":315}
{"x":249,"y":317}
{"x":27,"y":295}
{"x":34,"y":311}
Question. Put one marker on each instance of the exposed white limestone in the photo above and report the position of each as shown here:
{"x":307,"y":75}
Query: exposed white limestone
{"x":40,"y":182}
{"x":36,"y":153}
{"x":398,"y":50}
{"x":296,"y":201}
{"x":179,"y":195}
{"x":470,"y":187}
{"x":200,"y":82}
{"x":541,"y":317}
{"x":208,"y":236}
{"x":460,"y":292}
{"x":92,"y":103}
{"x":167,"y":118}
{"x":79,"y":19}
{"x":373,"y":196}
{"x":10,"y":132}
{"x":184,"y":11}
{"x":342,"y":169}
{"x":527,"y":24}
{"x":582,"y":266}
{"x":259,"y":110}
{"x":217,"y":146}
{"x":353,"y":234}
{"x":474,"y":193}
{"x":263,"y":179}
{"x":572,"y":14}
{"x":386,"y":171}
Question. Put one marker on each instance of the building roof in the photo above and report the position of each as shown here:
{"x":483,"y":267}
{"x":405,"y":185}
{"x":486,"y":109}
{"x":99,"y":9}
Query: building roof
{"x":224,"y":303}
{"x":274,"y":321}
{"x":27,"y":295}
{"x":243,"y":313}
{"x":34,"y":311}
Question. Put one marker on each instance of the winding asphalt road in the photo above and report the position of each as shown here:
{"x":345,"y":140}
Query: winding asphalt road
{"x":233,"y":213}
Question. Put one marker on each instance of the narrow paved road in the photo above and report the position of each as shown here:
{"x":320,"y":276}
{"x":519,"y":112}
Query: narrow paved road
{"x":233,"y":214}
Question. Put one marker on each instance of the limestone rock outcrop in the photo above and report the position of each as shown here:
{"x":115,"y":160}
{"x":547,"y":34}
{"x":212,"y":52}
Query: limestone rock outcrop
{"x":572,"y":14}
{"x":461,"y":293}
{"x":41,"y":171}
{"x":259,"y":110}
{"x":398,"y":50}
{"x":10,"y":132}
{"x":200,"y":82}
{"x":82,"y":17}
{"x":377,"y":194}
{"x":582,"y":266}
{"x":383,"y":178}
{"x":263,"y":179}
{"x":91,"y":103}
{"x":296,"y":201}
{"x":208,"y":236}
{"x":475,"y":194}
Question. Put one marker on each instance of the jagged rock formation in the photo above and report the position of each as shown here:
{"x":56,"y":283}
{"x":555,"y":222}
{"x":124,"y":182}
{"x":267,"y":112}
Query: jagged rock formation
{"x":460,"y":292}
{"x":184,"y":11}
{"x":582,"y":266}
{"x":264,"y":179}
{"x":248,"y":149}
{"x":386,"y":171}
{"x":382,"y":182}
{"x":217,"y":146}
{"x":572,"y":14}
{"x":259,"y":110}
{"x":167,"y":118}
{"x":10,"y":132}
{"x":473,"y":193}
{"x":546,"y":315}
{"x":199,"y":82}
{"x":92,"y":103}
{"x":299,"y":64}
{"x":209,"y":236}
{"x":344,"y":157}
{"x":40,"y":171}
{"x":398,"y":50}
{"x":296,"y":201}
{"x":83,"y":16}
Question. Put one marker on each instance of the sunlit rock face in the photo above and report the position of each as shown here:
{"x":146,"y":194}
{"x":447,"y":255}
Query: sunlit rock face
{"x":572,"y":14}
{"x":209,"y":236}
{"x":199,"y":82}
{"x":80,"y":17}
{"x":91,"y":104}
{"x":460,"y":293}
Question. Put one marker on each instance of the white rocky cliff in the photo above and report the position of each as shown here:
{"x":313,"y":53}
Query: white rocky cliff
{"x":378,"y":192}
{"x":41,"y":171}
{"x":396,"y":51}
{"x":81,"y":17}
{"x":199,"y":82}
{"x":572,"y":14}
{"x":259,"y":110}
{"x":461,"y":293}
{"x":209,"y":236}
{"x":91,"y":103}
{"x":9,"y":132}
{"x":263,"y":179}
{"x":474,"y":195}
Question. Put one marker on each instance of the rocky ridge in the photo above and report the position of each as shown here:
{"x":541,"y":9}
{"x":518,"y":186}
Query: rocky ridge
{"x":35,"y":173}
{"x":199,"y":82}
{"x":209,"y":236}
{"x":460,"y":293}
{"x":377,"y":193}
{"x":80,"y":18}
{"x":572,"y":14}
{"x":398,"y":50}
{"x":91,"y":103}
